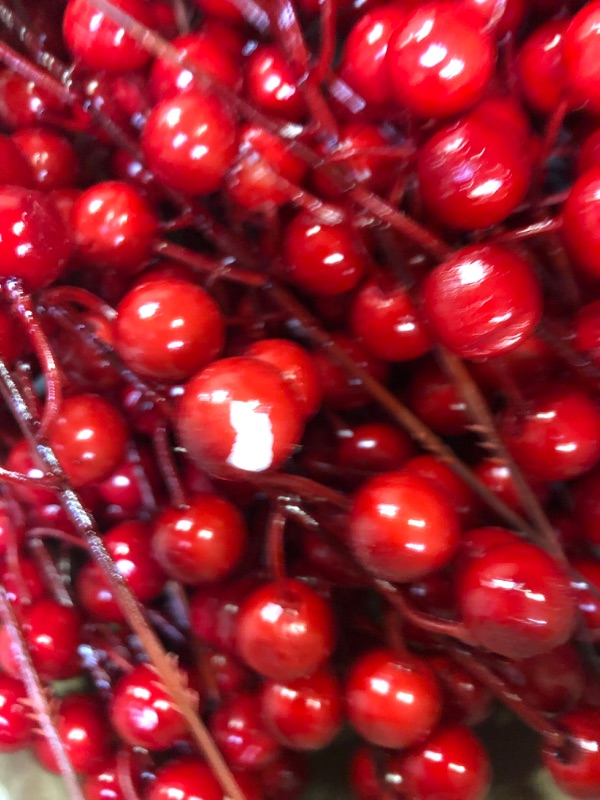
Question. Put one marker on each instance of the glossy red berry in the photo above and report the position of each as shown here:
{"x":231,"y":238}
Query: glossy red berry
{"x":85,"y":733}
{"x":23,"y":102}
{"x":113,"y":227}
{"x":143,"y":713}
{"x":466,"y":701}
{"x":14,"y":166}
{"x":214,"y":612}
{"x":576,"y":767}
{"x":186,"y":779}
{"x":16,"y":724}
{"x":322,"y":259}
{"x":580,"y":215}
{"x":240,"y":734}
{"x":285,"y":630}
{"x":303,"y":714}
{"x":439,"y":63}
{"x":223,"y":9}
{"x":587,"y":330}
{"x":586,"y":585}
{"x":89,"y":438}
{"x":463,"y":499}
{"x":205,"y":53}
{"x":393,"y":701}
{"x":385,"y":319}
{"x":239,"y":415}
{"x":402,"y":527}
{"x":558,"y":435}
{"x":160,"y":337}
{"x":106,"y":784}
{"x":129,"y":545}
{"x":295,"y":366}
{"x":203,"y":542}
{"x":98,"y":43}
{"x":515,"y":600}
{"x":541,"y":68}
{"x":34,"y":242}
{"x":190,"y":141}
{"x":436,"y":400}
{"x":52,"y":158}
{"x":498,"y":478}
{"x":580,"y":55}
{"x":452,"y":764}
{"x":285,"y":778}
{"x":271,"y":86}
{"x":471,"y":175}
{"x":230,"y":675}
{"x":499,"y":20}
{"x":374,"y":446}
{"x":483,"y":301}
{"x":342,"y":390}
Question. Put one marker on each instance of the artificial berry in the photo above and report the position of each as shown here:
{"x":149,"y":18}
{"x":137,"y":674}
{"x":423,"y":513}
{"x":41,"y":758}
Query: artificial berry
{"x":270,"y":84}
{"x":436,"y":400}
{"x":16,"y":725}
{"x":240,"y":733}
{"x":285,"y":778}
{"x":106,"y":784}
{"x":576,"y":767}
{"x":340,"y":390}
{"x":214,"y":612}
{"x":373,"y":446}
{"x":541,"y":67}
{"x":586,"y":585}
{"x":186,"y":779}
{"x":463,"y":499}
{"x":466,"y":701}
{"x":580,"y":215}
{"x":581,"y":45}
{"x":52,"y":158}
{"x":498,"y":477}
{"x":14,"y":166}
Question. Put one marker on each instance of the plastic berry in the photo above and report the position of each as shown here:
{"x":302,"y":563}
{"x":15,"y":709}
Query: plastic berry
{"x":587,"y":330}
{"x":223,"y":9}
{"x":285,"y":630}
{"x":580,"y":55}
{"x":576,"y":767}
{"x":586,"y":585}
{"x":229,"y":674}
{"x":374,"y":446}
{"x":270,"y":84}
{"x":160,"y":337}
{"x":187,"y":779}
{"x":436,"y":400}
{"x":240,"y":734}
{"x":113,"y":227}
{"x":21,"y":459}
{"x":202,"y":542}
{"x":439,"y":63}
{"x":515,"y":600}
{"x":16,"y":724}
{"x":477,"y":542}
{"x":385,"y":319}
{"x":483,"y":301}
{"x":497,"y":19}
{"x":304,"y":714}
{"x":52,"y":157}
{"x":85,"y":733}
{"x":392,"y":700}
{"x":14,"y":167}
{"x":452,"y":764}
{"x":98,"y":43}
{"x":89,"y":437}
{"x":558,"y":435}
{"x":189,"y":142}
{"x":34,"y":243}
{"x":143,"y":713}
{"x":129,"y":545}
{"x":23,"y":102}
{"x":463,"y":499}
{"x":295,"y":366}
{"x":32,"y":579}
{"x":263,"y":170}
{"x":471,"y":175}
{"x":466,"y":701}
{"x":402,"y":527}
{"x":589,"y":154}
{"x":322,"y":259}
{"x":498,"y":478}
{"x":167,"y":80}
{"x":106,"y":784}
{"x":214,"y":612}
{"x":342,"y":391}
{"x":580,"y":215}
{"x":541,"y":68}
{"x":363,"y":64}
{"x":239,"y":415}
{"x":285,"y":778}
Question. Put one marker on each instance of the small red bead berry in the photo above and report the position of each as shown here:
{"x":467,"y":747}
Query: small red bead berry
{"x":439,"y":62}
{"x":303,"y":714}
{"x":100,"y":44}
{"x":374,"y":446}
{"x":576,"y":767}
{"x":341,"y":390}
{"x":15,"y":168}
{"x":185,"y":779}
{"x":402,"y":527}
{"x":466,"y":701}
{"x":515,"y":600}
{"x":271,"y":86}
{"x":239,"y":415}
{"x":190,"y":141}
{"x":16,"y":724}
{"x":52,"y":157}
{"x":581,"y":49}
{"x":498,"y":477}
{"x":89,"y":438}
{"x":393,"y":700}
{"x":581,"y":216}
{"x":285,"y":630}
{"x":436,"y":400}
{"x":214,"y":612}
{"x":587,"y":330}
{"x":483,"y":301}
{"x":586,"y":585}
{"x":541,"y":68}
{"x":143,"y":713}
{"x":240,"y":733}
{"x":113,"y":227}
{"x":462,"y":497}
{"x":285,"y":778}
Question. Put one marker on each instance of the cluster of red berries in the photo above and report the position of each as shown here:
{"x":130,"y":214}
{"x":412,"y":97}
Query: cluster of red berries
{"x":300,"y":368}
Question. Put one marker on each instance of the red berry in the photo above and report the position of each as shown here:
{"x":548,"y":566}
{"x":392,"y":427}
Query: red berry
{"x":89,"y":438}
{"x":202,"y":542}
{"x":52,"y":158}
{"x":462,"y":497}
{"x":113,"y":227}
{"x":341,"y":390}
{"x":238,"y":414}
{"x":16,"y":723}
{"x":223,"y":9}
{"x":271,"y":86}
{"x":240,"y":734}
{"x":515,"y":600}
{"x":14,"y":166}
{"x":586,"y":585}
{"x":402,"y":527}
{"x":393,"y":701}
{"x":214,"y":612}
{"x":483,"y":301}
{"x":374,"y":446}
{"x":581,"y":216}
{"x":436,"y":400}
{"x":466,"y":701}
{"x":190,"y":141}
{"x":285,"y":778}
{"x":576,"y":767}
{"x":98,"y":43}
{"x":143,"y":713}
{"x":106,"y":784}
{"x":303,"y":714}
{"x":587,"y":330}
{"x":498,"y":478}
{"x":285,"y":630}
{"x":185,"y":779}
{"x":581,"y":49}
{"x":541,"y":67}
{"x":439,"y":63}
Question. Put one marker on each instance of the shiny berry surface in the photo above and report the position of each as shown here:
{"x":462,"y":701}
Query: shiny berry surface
{"x":581,"y":212}
{"x":187,"y":779}
{"x":580,"y":54}
{"x":577,"y":770}
{"x":541,"y":67}
{"x":16,"y":725}
{"x":269,"y":83}
{"x":241,"y":735}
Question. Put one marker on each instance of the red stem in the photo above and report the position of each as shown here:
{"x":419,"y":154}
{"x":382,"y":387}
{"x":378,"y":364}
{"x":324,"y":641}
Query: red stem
{"x":167,"y":466}
{"x":274,"y":543}
{"x":322,"y":68}
{"x":49,"y":572}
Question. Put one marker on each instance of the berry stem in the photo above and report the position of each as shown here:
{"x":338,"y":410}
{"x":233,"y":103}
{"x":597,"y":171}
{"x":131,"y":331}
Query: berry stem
{"x":39,"y":697}
{"x":167,"y":466}
{"x":322,"y":67}
{"x":49,"y":572}
{"x":23,"y":67}
{"x":274,"y":542}
{"x":124,"y":775}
